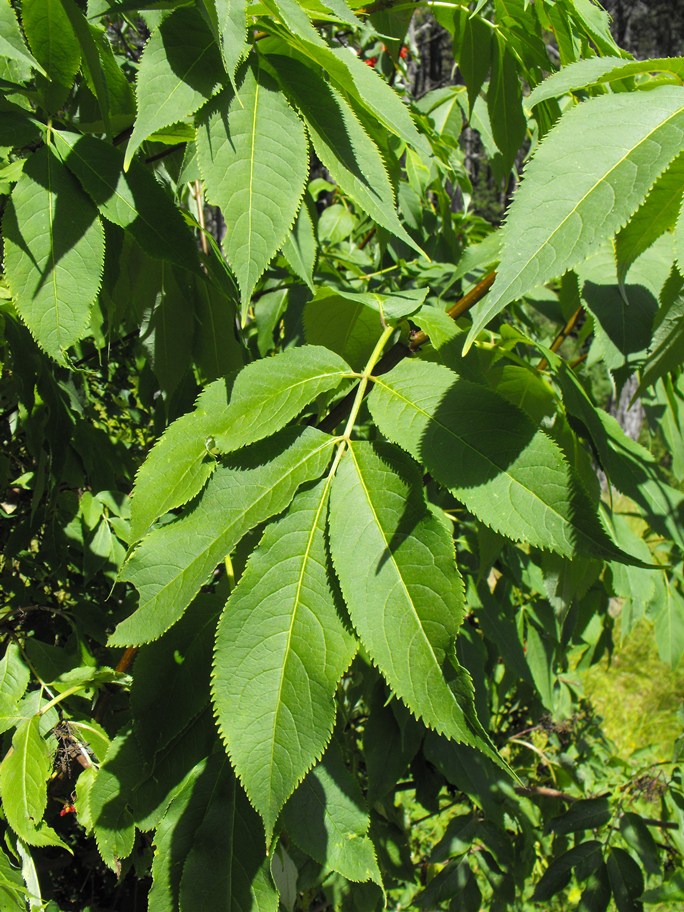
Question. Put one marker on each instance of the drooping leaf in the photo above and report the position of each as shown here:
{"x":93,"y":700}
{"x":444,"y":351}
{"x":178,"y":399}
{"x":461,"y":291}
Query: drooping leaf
{"x":170,"y":680}
{"x":396,"y":565}
{"x":341,"y":143}
{"x":54,"y":251}
{"x":557,"y":875}
{"x":667,"y":343}
{"x":504,"y":102}
{"x":581,"y":186}
{"x":300,"y":249}
{"x":228,"y":841}
{"x":134,"y":200}
{"x":327,"y":818}
{"x":507,"y":471}
{"x":280,"y":627}
{"x":12,"y":44}
{"x":626,"y":880}
{"x":270,"y":392}
{"x":167,"y":327}
{"x":55,"y":46}
{"x":679,"y":239}
{"x":179,"y":70}
{"x":23,"y":784}
{"x":172,"y":562}
{"x":252,"y":150}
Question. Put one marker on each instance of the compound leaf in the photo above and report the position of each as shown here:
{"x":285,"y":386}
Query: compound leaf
{"x":491,"y":456}
{"x":172,"y":562}
{"x":55,"y":46}
{"x":54,"y":252}
{"x":281,"y":627}
{"x":253,"y":153}
{"x":179,"y":70}
{"x":581,"y":187}
{"x":396,"y":565}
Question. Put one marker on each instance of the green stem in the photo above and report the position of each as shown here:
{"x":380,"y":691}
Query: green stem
{"x":58,"y":699}
{"x":376,"y":354}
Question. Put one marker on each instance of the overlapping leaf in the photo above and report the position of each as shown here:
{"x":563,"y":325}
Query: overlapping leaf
{"x":54,"y":250}
{"x":12,"y":44}
{"x":210,"y":827}
{"x":342,"y":144}
{"x":55,"y":46}
{"x":252,"y":149}
{"x":172,"y":562}
{"x":179,"y":70}
{"x":280,"y":627}
{"x":396,"y":566}
{"x":582,"y":186}
{"x":133,"y":200}
{"x":507,"y":471}
{"x":326,"y":817}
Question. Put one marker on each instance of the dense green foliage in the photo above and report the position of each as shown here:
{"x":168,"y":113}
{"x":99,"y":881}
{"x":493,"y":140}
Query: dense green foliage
{"x":311,"y":525}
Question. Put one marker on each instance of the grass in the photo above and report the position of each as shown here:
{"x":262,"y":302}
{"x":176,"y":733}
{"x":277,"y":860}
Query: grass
{"x":639,"y":697}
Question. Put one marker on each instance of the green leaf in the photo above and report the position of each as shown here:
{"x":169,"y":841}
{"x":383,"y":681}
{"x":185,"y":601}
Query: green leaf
{"x":341,"y":143}
{"x":217,"y":351}
{"x":679,"y":239}
{"x":491,"y":456}
{"x":656,"y":215}
{"x":23,"y":784}
{"x":474,"y":53}
{"x":209,"y":826}
{"x":179,"y":464}
{"x":270,"y":392}
{"x":343,"y":324}
{"x":167,"y":327}
{"x":504,"y":103}
{"x":134,"y":200}
{"x":281,"y":627}
{"x":228,"y":19}
{"x":597,"y":893}
{"x":170,"y":680}
{"x":14,"y":679}
{"x":55,"y":46}
{"x":669,"y":624}
{"x":327,"y":818}
{"x":396,"y":564}
{"x":667,"y":341}
{"x":227,"y":841}
{"x":587,"y":814}
{"x":172,"y":563}
{"x":636,"y":834}
{"x":581,"y":186}
{"x":557,"y":875}
{"x":112,"y":819}
{"x":179,"y":70}
{"x":670,"y":891}
{"x":54,"y":250}
{"x":12,"y":44}
{"x":253,"y":153}
{"x":626,"y":881}
{"x":600,"y":71}
{"x":300,"y":249}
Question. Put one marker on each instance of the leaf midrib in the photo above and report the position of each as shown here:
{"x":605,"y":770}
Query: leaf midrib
{"x":392,"y":559}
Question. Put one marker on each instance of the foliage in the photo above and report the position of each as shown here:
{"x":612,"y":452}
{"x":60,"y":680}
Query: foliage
{"x":350,"y":534}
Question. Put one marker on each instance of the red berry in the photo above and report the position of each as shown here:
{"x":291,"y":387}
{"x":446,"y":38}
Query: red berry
{"x":403,"y":53}
{"x":371,"y":61}
{"x":67,"y":809}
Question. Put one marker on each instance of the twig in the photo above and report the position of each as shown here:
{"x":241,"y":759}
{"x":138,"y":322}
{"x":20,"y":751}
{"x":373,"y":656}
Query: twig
{"x":561,"y":337}
{"x":460,"y":307}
